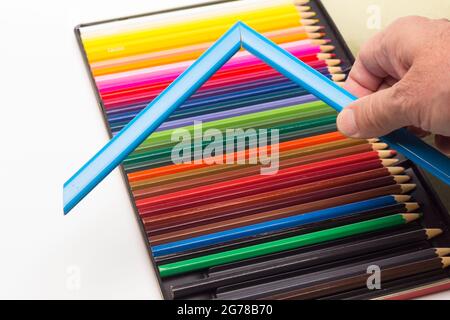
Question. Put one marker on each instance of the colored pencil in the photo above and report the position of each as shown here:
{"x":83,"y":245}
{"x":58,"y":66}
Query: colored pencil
{"x":239,"y":219}
{"x":264,"y":227}
{"x":300,"y":143}
{"x":284,"y":244}
{"x":154,"y":188}
{"x":291,"y":232}
{"x":341,"y":278}
{"x":302,"y":261}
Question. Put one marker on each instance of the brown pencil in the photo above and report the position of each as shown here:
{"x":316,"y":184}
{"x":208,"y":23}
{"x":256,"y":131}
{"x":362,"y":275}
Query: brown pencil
{"x":342,"y":148}
{"x":284,"y":212}
{"x":276,"y":198}
{"x":213,"y":176}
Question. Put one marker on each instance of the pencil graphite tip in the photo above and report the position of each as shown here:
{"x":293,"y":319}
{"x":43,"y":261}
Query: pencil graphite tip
{"x":433,"y":232}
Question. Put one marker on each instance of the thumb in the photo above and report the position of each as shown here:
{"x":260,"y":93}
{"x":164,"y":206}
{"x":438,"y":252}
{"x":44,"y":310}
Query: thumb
{"x":374,"y":115}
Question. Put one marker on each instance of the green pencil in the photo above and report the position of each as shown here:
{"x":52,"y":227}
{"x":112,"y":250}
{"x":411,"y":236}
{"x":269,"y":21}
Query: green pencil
{"x":254,"y":120}
{"x":211,"y":260}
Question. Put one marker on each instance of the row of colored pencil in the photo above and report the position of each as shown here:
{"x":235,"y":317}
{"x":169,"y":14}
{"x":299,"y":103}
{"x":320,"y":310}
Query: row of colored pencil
{"x":219,"y":229}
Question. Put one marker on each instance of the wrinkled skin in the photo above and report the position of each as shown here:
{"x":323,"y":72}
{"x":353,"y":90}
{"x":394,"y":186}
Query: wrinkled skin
{"x":402,"y":79}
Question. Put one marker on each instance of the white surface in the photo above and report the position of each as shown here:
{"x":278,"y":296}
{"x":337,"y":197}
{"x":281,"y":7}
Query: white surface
{"x":50,"y":126}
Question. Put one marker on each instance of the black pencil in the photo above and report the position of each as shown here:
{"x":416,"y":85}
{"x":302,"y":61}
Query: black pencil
{"x":302,"y":260}
{"x":310,"y":280}
{"x":387,"y":274}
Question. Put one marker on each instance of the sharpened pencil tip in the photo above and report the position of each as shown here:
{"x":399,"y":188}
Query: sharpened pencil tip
{"x":301,"y":2}
{"x":442,"y":252}
{"x":307,"y":15}
{"x":402,"y":179}
{"x":412,"y":206}
{"x":309,"y":22}
{"x":408,"y":217}
{"x":408,"y":187}
{"x":395,"y":170}
{"x":445,"y":262}
{"x":402,"y":198}
{"x":303,"y":8}
{"x":389,"y":162}
{"x":385,"y":154}
{"x":434,"y":232}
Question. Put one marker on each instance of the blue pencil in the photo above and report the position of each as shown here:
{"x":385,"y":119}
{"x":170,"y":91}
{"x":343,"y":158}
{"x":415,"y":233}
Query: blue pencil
{"x":271,"y":226}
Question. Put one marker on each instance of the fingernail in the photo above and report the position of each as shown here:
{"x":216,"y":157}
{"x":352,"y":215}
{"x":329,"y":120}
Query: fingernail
{"x":347,"y":124}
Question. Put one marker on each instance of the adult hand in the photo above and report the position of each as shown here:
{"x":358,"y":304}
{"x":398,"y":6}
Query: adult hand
{"x":402,"y":77}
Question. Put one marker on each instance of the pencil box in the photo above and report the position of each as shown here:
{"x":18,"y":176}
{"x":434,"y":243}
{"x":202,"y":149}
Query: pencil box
{"x":434,"y":214}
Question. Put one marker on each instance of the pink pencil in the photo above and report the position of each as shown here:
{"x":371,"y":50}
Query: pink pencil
{"x":242,"y":59}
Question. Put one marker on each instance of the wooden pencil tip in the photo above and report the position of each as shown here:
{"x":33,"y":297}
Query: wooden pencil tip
{"x":379,"y":146}
{"x":335,"y":70}
{"x":442,"y":252}
{"x":402,"y":179}
{"x":309,"y":22}
{"x":301,"y":2}
{"x":327,"y":48}
{"x":373,"y":140}
{"x":320,"y":42}
{"x":389,"y":162}
{"x":332,"y":62}
{"x":434,"y":232}
{"x":324,"y":56}
{"x":307,"y":15}
{"x":338,"y":77}
{"x":312,"y":28}
{"x":411,"y":206}
{"x":408,"y":217}
{"x":402,"y":198}
{"x":396,"y":170}
{"x":445,"y":262}
{"x":407,"y":187}
{"x":385,"y":154}
{"x":303,"y":8}
{"x":315,"y":35}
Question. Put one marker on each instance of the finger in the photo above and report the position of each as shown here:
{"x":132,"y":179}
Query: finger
{"x":372,"y":116}
{"x":443,"y":143}
{"x":360,"y":81}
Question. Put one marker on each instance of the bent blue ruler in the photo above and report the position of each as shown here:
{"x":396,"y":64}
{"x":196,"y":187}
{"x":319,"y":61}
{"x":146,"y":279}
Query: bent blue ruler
{"x":240,"y":35}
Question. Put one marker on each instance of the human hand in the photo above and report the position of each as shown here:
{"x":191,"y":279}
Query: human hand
{"x":402,"y":77}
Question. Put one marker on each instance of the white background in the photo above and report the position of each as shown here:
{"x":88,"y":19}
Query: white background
{"x":50,"y":126}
